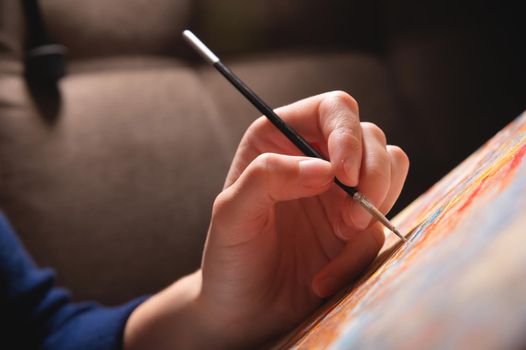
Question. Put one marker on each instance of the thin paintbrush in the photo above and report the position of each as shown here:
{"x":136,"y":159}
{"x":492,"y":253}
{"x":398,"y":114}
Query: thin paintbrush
{"x":292,"y":135}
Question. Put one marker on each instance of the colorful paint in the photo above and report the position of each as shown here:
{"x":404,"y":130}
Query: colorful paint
{"x":460,"y":281}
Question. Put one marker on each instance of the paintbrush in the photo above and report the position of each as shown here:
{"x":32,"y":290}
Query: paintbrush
{"x":290,"y":133}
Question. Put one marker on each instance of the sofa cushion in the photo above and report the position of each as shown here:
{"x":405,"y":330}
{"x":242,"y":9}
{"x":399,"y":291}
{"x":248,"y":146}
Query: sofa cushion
{"x":115,"y":192}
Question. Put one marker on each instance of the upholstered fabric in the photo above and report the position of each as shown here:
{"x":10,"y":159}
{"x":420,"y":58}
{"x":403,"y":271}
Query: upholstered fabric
{"x":132,"y":161}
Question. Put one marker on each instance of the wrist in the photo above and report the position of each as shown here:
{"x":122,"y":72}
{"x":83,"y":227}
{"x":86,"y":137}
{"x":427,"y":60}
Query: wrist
{"x":169,"y":319}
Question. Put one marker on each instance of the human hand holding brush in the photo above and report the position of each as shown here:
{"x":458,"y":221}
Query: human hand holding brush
{"x":283,"y":236}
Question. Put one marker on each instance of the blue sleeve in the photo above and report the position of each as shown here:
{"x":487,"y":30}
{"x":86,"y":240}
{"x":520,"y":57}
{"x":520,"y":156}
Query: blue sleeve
{"x":35,"y":314}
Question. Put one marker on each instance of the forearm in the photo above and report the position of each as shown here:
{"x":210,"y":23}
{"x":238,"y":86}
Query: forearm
{"x":171,"y":319}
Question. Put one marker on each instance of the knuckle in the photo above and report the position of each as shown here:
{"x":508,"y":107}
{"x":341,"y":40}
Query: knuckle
{"x":375,"y":131}
{"x":342,"y":98}
{"x":255,"y":126}
{"x":339,"y":118}
{"x":262,"y":163}
{"x":221,"y":203}
{"x":261,"y":169}
{"x":338,"y":103}
{"x":260,"y":121}
{"x":399,"y":155}
{"x":273,"y":171}
{"x":352,"y":141}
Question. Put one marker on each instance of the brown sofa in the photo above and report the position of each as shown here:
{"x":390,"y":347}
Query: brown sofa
{"x":110,"y":178}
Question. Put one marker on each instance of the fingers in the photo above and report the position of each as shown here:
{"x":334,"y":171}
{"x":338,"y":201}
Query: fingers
{"x":340,"y":125}
{"x":399,"y":169}
{"x":270,"y":178}
{"x":375,"y":175}
{"x":330,"y":120}
{"x":357,"y":151}
{"x":357,"y":254}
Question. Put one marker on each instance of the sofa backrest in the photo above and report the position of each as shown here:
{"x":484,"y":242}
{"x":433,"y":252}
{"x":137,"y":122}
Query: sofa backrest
{"x":109,"y":177}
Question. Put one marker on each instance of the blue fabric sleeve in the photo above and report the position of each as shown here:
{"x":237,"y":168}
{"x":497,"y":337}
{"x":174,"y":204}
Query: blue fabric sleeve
{"x":35,"y":314}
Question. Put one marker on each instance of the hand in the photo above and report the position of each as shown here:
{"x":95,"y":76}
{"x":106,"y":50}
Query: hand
{"x":282,"y":235}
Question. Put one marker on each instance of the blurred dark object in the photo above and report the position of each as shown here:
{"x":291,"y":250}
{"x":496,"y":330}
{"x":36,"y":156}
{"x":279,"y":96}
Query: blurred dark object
{"x":111,"y":193}
{"x":44,"y":59}
{"x":44,"y":62}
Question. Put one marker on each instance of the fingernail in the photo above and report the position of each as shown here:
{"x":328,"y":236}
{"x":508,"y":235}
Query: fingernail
{"x":351,"y":170}
{"x":315,"y":172}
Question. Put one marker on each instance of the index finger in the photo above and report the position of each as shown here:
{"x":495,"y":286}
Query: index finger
{"x":332,"y":120}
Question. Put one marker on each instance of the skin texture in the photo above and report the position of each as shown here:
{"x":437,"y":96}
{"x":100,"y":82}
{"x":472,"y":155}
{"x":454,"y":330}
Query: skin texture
{"x":282,"y":236}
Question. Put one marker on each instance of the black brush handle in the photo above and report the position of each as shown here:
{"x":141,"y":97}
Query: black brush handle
{"x":286,"y":129}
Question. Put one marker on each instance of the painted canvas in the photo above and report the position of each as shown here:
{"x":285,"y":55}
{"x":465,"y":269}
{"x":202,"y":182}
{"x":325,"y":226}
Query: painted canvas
{"x":460,"y":281}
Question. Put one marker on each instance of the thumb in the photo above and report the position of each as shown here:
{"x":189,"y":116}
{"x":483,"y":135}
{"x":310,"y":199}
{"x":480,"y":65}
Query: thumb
{"x":268,"y":179}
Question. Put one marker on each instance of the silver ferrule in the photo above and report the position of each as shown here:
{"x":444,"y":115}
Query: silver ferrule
{"x":377,"y":214}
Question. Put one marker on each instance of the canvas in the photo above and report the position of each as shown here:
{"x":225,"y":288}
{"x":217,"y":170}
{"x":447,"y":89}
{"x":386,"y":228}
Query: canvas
{"x":460,"y":281}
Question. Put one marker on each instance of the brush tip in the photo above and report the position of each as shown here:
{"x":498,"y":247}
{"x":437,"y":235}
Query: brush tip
{"x":400,"y":235}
